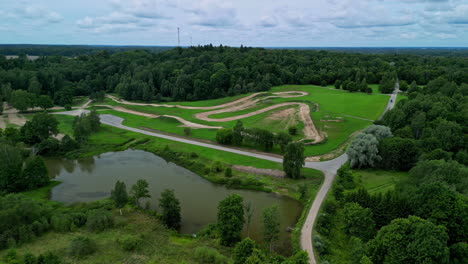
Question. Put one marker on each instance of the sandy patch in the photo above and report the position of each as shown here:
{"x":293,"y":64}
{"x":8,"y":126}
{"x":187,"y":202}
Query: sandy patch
{"x":258,"y":171}
{"x":16,"y":119}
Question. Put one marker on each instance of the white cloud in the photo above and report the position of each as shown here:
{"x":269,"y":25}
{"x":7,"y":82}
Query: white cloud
{"x":210,"y":13}
{"x":37,"y":12}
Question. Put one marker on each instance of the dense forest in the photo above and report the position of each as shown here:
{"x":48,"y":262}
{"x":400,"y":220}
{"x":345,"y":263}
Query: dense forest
{"x":205,"y":72}
{"x":426,"y":215}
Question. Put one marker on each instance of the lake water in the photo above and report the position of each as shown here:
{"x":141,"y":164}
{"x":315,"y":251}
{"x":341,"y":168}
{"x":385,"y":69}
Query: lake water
{"x":90,"y":179}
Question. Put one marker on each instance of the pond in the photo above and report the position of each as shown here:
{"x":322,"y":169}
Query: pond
{"x":90,"y":179}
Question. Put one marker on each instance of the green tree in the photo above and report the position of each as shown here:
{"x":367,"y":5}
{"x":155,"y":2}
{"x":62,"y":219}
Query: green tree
{"x":271,"y":225}
{"x":398,"y":153}
{"x":358,"y":221}
{"x":237,"y":136}
{"x":230,"y":219}
{"x":94,"y":120}
{"x":364,"y":151}
{"x":248,"y":214}
{"x":45,"y":102}
{"x":10,"y":168}
{"x":22,"y":100}
{"x":410,"y":240}
{"x":34,"y":174}
{"x":119,"y":195}
{"x":243,"y":250}
{"x":170,"y":206}
{"x":40,"y":128}
{"x":293,"y":160}
{"x":140,"y":190}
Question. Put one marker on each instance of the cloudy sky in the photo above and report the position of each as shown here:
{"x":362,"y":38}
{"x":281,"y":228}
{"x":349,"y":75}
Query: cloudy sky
{"x":293,"y":23}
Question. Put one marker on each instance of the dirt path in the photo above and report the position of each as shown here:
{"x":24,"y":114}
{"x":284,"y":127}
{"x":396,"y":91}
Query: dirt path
{"x":184,"y":122}
{"x":310,"y":131}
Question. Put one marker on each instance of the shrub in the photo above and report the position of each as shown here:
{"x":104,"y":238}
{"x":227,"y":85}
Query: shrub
{"x":210,"y":256}
{"x":81,"y":246}
{"x":217,"y":167}
{"x":187,"y":131}
{"x":61,"y":223}
{"x":98,"y":220}
{"x":228,"y":172}
{"x":129,"y":243}
{"x":292,"y":130}
{"x":68,"y":107}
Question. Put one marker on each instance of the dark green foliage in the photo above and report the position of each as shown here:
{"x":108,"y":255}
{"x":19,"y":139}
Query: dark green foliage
{"x":140,"y":190}
{"x":237,"y":136}
{"x":34,"y":173}
{"x":398,"y":153}
{"x":119,"y":194}
{"x":387,"y":84}
{"x":345,"y":178}
{"x":450,"y":172}
{"x":292,"y":130}
{"x":68,"y":144}
{"x":282,"y":139}
{"x":271,"y":225}
{"x":303,"y":192}
{"x":209,"y":256}
{"x":293,"y":160}
{"x":170,"y":205}
{"x":436,"y":154}
{"x":50,"y":146}
{"x":410,"y":240}
{"x":230,"y":219}
{"x":40,"y":128}
{"x":45,"y":102}
{"x":459,"y":253}
{"x":228,"y":172}
{"x":358,"y":221}
{"x":81,"y":246}
{"x":84,"y":125}
{"x":224,"y":136}
{"x":243,"y":250}
{"x":21,"y":219}
{"x":187,"y":131}
{"x":22,"y":100}
{"x":19,"y":174}
{"x":129,"y":243}
{"x":99,"y":219}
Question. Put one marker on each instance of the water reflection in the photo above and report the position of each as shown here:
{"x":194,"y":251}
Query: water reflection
{"x":92,"y":179}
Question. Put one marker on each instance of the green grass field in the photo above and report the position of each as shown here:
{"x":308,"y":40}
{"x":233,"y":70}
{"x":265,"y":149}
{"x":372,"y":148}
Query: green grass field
{"x":332,"y":104}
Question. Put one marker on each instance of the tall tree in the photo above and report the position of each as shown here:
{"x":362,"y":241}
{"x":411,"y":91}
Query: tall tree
{"x":140,"y":190}
{"x":119,"y":195}
{"x":230,"y":219}
{"x":293,"y":160}
{"x":271,"y":225}
{"x":248,"y":213}
{"x":363,"y":151}
{"x":358,"y":221}
{"x":410,"y":240}
{"x":170,"y":206}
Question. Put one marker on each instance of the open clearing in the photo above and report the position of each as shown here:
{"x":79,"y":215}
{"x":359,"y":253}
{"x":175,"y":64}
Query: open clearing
{"x":314,"y":107}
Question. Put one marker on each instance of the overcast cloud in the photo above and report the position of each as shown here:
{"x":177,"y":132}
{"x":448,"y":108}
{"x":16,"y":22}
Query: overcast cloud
{"x":294,"y":23}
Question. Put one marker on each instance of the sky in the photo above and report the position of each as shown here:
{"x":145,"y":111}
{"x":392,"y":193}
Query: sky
{"x":258,"y":23}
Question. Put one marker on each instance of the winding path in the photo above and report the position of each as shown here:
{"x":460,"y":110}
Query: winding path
{"x":309,"y":130}
{"x":329,"y":168}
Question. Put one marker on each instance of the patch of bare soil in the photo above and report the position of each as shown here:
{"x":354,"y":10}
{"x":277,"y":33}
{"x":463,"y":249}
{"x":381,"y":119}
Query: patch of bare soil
{"x":16,"y":119}
{"x":184,"y":122}
{"x":258,"y":171}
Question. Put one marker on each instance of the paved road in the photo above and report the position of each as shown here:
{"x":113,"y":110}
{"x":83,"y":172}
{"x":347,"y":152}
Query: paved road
{"x":392,"y":100}
{"x":329,"y":168}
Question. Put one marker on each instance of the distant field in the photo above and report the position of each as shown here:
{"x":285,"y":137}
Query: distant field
{"x":375,"y":180}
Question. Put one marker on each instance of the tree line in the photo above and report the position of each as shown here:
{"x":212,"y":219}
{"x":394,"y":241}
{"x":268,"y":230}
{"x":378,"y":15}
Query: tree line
{"x":204,"y":72}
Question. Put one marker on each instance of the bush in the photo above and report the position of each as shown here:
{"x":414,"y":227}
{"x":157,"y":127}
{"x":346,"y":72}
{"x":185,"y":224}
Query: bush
{"x":129,"y":243}
{"x":98,"y":220}
{"x":81,"y":246}
{"x":228,"y":172}
{"x":207,"y":255}
{"x":217,"y":167}
{"x":292,"y":130}
{"x":68,"y":107}
{"x":61,"y":223}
